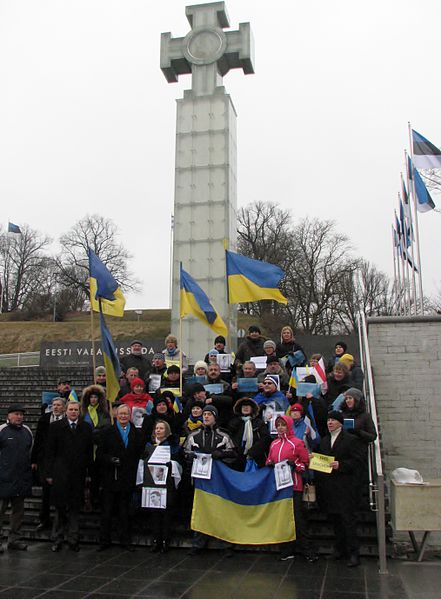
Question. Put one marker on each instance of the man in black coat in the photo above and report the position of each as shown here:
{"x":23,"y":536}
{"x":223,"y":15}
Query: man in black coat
{"x":336,"y":491}
{"x":38,"y":457}
{"x":15,"y":472}
{"x":69,"y":458}
{"x":137,"y":359}
{"x":119,"y":449}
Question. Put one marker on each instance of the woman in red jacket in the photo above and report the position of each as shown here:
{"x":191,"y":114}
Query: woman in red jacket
{"x":287,"y":447}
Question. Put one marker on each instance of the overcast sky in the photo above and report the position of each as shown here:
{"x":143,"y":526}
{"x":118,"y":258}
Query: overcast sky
{"x":87,"y":119}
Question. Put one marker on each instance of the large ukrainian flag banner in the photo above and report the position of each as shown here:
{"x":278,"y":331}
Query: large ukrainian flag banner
{"x":104,"y":290}
{"x":195,"y":302}
{"x":251,"y":280}
{"x":243,"y":508}
{"x":111,"y":362}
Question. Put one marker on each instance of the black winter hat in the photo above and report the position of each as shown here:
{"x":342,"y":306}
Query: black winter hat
{"x":220,"y":339}
{"x":336,"y":415}
{"x":254,"y":329}
{"x":342,"y":344}
{"x":211,"y":409}
{"x":16,"y":407}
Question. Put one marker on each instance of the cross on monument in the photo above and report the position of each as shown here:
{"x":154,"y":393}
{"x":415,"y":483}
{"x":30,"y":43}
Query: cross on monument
{"x":207,"y":52}
{"x":205,"y":219}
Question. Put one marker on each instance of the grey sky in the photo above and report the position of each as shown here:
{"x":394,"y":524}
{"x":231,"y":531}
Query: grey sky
{"x":87,"y":119}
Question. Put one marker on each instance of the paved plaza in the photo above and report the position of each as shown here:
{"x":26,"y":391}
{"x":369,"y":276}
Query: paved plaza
{"x":117,"y":573}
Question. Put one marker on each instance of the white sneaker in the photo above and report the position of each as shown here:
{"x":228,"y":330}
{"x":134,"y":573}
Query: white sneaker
{"x":284,"y":558}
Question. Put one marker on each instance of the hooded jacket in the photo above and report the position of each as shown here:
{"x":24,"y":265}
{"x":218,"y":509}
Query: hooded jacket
{"x":288,"y":447}
{"x":364,"y":427}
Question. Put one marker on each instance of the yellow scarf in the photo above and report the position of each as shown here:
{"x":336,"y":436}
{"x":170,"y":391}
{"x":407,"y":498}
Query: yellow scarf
{"x":93,"y":413}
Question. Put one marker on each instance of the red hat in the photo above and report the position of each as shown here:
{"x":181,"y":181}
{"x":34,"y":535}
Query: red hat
{"x":298,"y":407}
{"x":137,"y":381}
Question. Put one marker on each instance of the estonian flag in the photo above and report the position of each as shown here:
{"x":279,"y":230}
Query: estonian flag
{"x":251,"y":280}
{"x":13,"y":228}
{"x":424,"y":201}
{"x":111,"y":362}
{"x":195,"y":302}
{"x":243,"y":508}
{"x":425,"y":154}
{"x":105,"y":293}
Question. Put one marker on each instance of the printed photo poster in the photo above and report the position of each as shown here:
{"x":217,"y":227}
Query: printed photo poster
{"x":158,"y":473}
{"x":154,"y":382}
{"x":224,"y":361}
{"x":202,"y":465}
{"x":138,"y":416}
{"x":154,"y":498}
{"x":283,"y":475}
{"x":271,"y":416}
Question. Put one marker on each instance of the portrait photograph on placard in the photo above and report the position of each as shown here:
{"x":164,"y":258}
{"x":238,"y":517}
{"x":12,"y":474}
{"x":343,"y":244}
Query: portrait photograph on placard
{"x":159,"y":473}
{"x":202,"y":465}
{"x":282,"y":472}
{"x":154,"y":498}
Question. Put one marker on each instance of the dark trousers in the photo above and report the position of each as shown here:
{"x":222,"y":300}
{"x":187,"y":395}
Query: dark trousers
{"x":118,"y":501}
{"x":67,"y":524}
{"x":161,"y":523}
{"x":302,"y":542}
{"x":16,"y":517}
{"x":345,"y":531}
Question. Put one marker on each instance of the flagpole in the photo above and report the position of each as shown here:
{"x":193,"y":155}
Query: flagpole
{"x":395,"y":267}
{"x":417,"y":229}
{"x":92,"y":336}
{"x":413,"y":308}
{"x":180,"y":332}
{"x":412,"y":251}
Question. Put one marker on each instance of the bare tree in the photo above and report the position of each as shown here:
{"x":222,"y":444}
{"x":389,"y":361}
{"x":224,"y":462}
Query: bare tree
{"x":101,"y":235}
{"x":23,"y":262}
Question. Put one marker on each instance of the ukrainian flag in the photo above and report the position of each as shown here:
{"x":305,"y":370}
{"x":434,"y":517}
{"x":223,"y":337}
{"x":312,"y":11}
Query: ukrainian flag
{"x":111,"y":362}
{"x":195,"y":301}
{"x":252,"y":280}
{"x":243,"y":508}
{"x":104,"y":290}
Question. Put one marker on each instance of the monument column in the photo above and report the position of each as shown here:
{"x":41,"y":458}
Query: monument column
{"x":206,"y":162}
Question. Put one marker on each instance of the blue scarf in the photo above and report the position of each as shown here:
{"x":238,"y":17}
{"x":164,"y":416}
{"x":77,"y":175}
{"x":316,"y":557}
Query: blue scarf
{"x":124,"y":433}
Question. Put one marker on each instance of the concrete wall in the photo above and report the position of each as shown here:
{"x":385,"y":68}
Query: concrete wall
{"x":406,"y":361}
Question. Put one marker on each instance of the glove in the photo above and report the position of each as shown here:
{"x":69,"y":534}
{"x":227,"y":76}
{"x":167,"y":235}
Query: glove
{"x":217,"y":454}
{"x":270,"y":464}
{"x":115,"y":461}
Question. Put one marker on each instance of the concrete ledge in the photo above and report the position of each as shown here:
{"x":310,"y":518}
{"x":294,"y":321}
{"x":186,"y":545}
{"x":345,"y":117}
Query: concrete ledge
{"x":401,"y":319}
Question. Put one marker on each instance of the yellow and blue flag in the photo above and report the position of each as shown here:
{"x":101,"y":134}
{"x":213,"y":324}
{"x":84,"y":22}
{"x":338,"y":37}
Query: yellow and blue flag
{"x":243,"y":508}
{"x":195,"y":302}
{"x":251,"y":280}
{"x":73,"y":396}
{"x":104,"y":289}
{"x":111,"y":362}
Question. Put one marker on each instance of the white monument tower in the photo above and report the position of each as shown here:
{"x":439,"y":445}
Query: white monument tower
{"x":205,"y":172}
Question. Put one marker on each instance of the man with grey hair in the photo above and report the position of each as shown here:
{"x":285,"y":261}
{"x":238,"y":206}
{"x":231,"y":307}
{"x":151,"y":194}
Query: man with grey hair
{"x":39,"y":456}
{"x":16,"y":473}
{"x":69,"y":458}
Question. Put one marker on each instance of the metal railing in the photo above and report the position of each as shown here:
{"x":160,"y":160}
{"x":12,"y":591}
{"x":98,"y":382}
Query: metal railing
{"x":20,"y":360}
{"x":376,"y":475}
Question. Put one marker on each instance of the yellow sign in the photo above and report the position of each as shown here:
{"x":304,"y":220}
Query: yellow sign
{"x":321,"y":463}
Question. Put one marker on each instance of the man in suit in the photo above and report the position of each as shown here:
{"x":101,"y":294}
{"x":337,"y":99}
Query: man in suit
{"x":119,"y":449}
{"x":39,"y":456}
{"x":69,"y":457}
{"x":336,"y":491}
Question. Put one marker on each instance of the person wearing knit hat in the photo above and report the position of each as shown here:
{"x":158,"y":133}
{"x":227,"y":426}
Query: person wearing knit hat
{"x":250,"y":348}
{"x":303,"y":428}
{"x":269,"y":347}
{"x":219,"y":345}
{"x":273,"y":366}
{"x":249,"y":433}
{"x":335,"y":491}
{"x":200,"y":368}
{"x":137,"y":358}
{"x":339,"y":349}
{"x":172,"y":378}
{"x":271,"y":399}
{"x":138,"y":401}
{"x":356,"y":374}
{"x":159,"y":368}
{"x":211,"y":440}
{"x":163,"y":410}
{"x":194,"y":420}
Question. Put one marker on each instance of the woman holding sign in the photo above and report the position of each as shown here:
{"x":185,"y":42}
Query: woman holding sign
{"x":286,"y":447}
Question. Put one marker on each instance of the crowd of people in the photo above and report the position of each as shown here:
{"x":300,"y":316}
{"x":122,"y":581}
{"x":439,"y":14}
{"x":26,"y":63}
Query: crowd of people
{"x":242,"y":409}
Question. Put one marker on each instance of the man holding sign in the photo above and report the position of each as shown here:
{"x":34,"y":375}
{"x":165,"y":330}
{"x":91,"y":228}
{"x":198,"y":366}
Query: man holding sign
{"x":336,"y":486}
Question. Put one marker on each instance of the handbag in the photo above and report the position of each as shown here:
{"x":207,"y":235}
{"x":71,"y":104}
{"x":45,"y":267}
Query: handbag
{"x":309,"y":494}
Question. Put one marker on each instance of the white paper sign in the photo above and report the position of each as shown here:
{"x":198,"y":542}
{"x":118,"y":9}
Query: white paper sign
{"x":259,"y":361}
{"x":282,"y":472}
{"x":224,"y":361}
{"x":140,"y":473}
{"x":202,"y":465}
{"x":161,"y":455}
{"x":154,"y":498}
